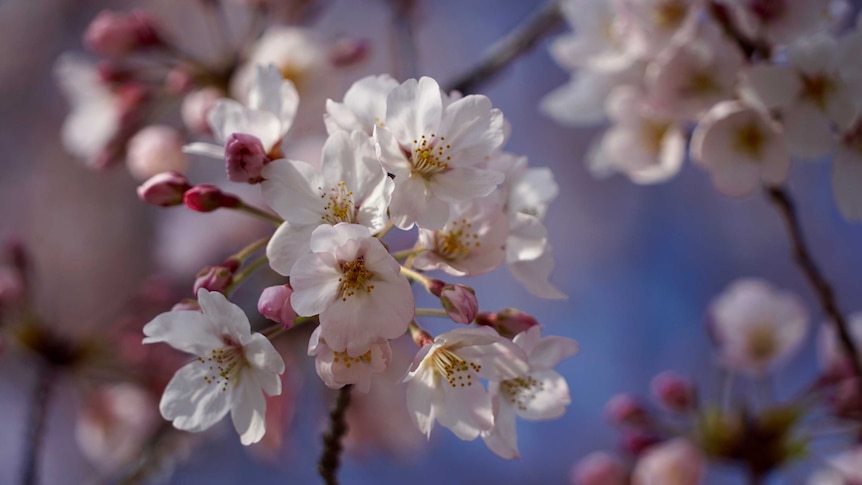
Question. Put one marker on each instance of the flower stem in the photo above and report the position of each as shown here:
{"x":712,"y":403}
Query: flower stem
{"x":249,"y":209}
{"x":416,"y":276}
{"x":246,"y":251}
{"x":385,"y":230}
{"x":431,"y":312}
{"x":544,"y":21}
{"x":407,"y":253}
{"x":404,"y":38}
{"x":802,"y":255}
{"x":45,"y":384}
{"x":331,"y":456}
{"x":245,"y":273}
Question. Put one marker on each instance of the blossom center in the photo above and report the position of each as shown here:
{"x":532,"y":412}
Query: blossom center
{"x":668,"y":15}
{"x":652,"y":135}
{"x":355,"y":277}
{"x":429,"y":157}
{"x":457,"y":371}
{"x":750,"y":141}
{"x":761,"y":344}
{"x":817,"y":89}
{"x":339,"y":204}
{"x":457,"y":241}
{"x":700,"y":83}
{"x":224,"y":364}
{"x":348,"y":361}
{"x":521,"y":390}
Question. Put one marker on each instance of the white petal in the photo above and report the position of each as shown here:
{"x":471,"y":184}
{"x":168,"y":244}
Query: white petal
{"x":550,"y":400}
{"x":579,"y":102}
{"x":472,"y":128}
{"x":228,"y":117}
{"x":414,"y":108}
{"x":315,"y":283}
{"x":534,"y":275}
{"x":248,"y":411}
{"x":808,"y":131}
{"x":331,"y":238}
{"x":260,"y":353}
{"x":205,"y":149}
{"x":466,"y":411}
{"x":186,"y":330}
{"x":227,"y":318}
{"x":412,"y":202}
{"x":420,"y":398}
{"x":287,"y":245}
{"x":503,"y":438}
{"x":191,"y":403}
{"x":771,"y":86}
{"x":550,"y":351}
{"x":463,"y":184}
{"x":291,"y":188}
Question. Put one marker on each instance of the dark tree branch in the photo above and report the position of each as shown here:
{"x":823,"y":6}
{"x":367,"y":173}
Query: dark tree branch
{"x":331,"y":456}
{"x":45,"y":381}
{"x":802,"y":255}
{"x":520,"y":40}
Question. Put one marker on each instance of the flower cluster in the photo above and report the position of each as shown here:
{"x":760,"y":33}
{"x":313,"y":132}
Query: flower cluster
{"x":753,"y":83}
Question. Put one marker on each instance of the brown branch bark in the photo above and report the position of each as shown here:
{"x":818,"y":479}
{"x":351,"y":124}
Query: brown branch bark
{"x":802,"y":255}
{"x":544,"y":21}
{"x":330,"y":458}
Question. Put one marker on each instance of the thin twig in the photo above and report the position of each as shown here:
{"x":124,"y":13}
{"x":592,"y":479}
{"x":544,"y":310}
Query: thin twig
{"x":36,"y":423}
{"x":404,"y":38}
{"x":331,"y":456}
{"x":544,"y":21}
{"x":785,"y":206}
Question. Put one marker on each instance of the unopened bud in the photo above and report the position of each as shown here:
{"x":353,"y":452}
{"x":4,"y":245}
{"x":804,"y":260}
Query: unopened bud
{"x":178,"y":80}
{"x":110,"y":72}
{"x":347,"y":52}
{"x":460,"y":303}
{"x":215,"y":278}
{"x":207,"y":198}
{"x":420,"y":336}
{"x":625,"y":409}
{"x":119,"y":33}
{"x":196,"y":108}
{"x":508,"y":322}
{"x":244,"y":157}
{"x":187,"y":304}
{"x":673,"y":391}
{"x":599,"y":468}
{"x":274,"y":304}
{"x":164,"y":189}
{"x":156,"y":149}
{"x":638,"y":442}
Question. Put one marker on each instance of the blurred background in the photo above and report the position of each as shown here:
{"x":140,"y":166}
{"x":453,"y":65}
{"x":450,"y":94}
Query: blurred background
{"x":639,"y":263}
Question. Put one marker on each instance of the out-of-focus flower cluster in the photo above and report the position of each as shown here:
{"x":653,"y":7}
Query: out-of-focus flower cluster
{"x":751,"y":83}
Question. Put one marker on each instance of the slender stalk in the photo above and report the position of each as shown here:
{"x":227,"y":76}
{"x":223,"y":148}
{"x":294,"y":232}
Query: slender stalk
{"x":404,"y":38}
{"x":416,"y":276}
{"x":45,"y":384}
{"x":544,"y":21}
{"x":431,"y":312}
{"x":802,"y":255}
{"x":249,"y":209}
{"x":407,"y":253}
{"x":246,"y":251}
{"x":330,"y":458}
{"x":241,"y":275}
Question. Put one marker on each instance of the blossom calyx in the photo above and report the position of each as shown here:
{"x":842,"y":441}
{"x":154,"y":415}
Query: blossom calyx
{"x":460,"y":303}
{"x":216,"y":278}
{"x":674,"y":391}
{"x":164,"y":189}
{"x":507,"y":322}
{"x":245,"y":157}
{"x":207,"y":198}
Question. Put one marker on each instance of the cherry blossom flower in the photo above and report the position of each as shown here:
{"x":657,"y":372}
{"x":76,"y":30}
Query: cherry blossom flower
{"x":526,"y":193}
{"x":829,"y":350}
{"x":356,"y":287}
{"x":338,"y":368}
{"x":233,"y":369}
{"x":645,"y":144}
{"x":471,"y":242}
{"x":539,"y":394}
{"x":434,"y":147}
{"x":155,"y":149}
{"x":443,"y":381}
{"x":599,"y":468}
{"x":96,"y":110}
{"x":364,"y":105}
{"x":694,"y":72}
{"x":740,"y":147}
{"x":675,"y":462}
{"x":757,"y":327}
{"x":843,"y":469}
{"x":271,"y":109}
{"x":350,"y":186}
{"x":809,"y":92}
{"x":656,"y":22}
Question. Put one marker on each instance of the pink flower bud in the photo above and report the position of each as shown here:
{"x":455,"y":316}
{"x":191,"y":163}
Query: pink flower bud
{"x":179,"y":80}
{"x":111,"y":72}
{"x":625,"y":409}
{"x":164,"y":189}
{"x":460,"y":303}
{"x":599,"y":468}
{"x":214,"y":278}
{"x":196,"y":108}
{"x":274,"y":304}
{"x":244,"y":157}
{"x":508,"y":323}
{"x":435,"y":286}
{"x":155,"y":149}
{"x":675,"y":462}
{"x":673,"y":391}
{"x":207,"y":198}
{"x":347,"y":52}
{"x":119,"y":33}
{"x":638,"y":442}
{"x":187,"y":304}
